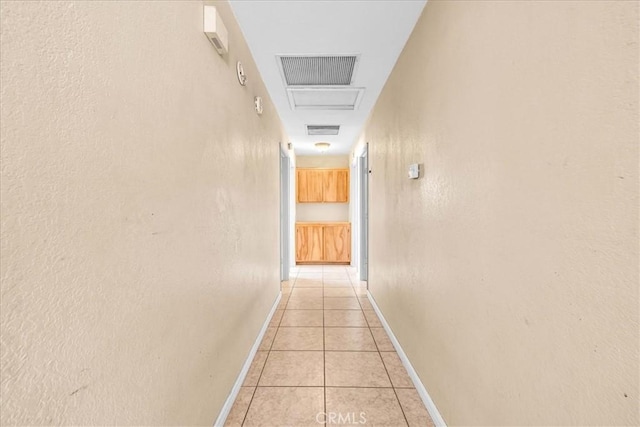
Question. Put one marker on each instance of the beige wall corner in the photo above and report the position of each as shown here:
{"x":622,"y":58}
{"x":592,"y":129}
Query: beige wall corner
{"x":509,"y":270}
{"x":135,"y":271}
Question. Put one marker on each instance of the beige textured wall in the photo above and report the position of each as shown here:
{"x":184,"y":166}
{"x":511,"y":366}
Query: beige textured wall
{"x":135,"y":272}
{"x":509,"y":272}
{"x":322,"y":211}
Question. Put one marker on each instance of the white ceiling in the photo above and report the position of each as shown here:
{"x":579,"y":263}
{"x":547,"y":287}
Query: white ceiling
{"x":376,"y":30}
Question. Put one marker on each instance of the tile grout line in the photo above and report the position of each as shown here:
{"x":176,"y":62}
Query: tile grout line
{"x":334,"y":386}
{"x":385,"y":367}
{"x":324,"y":357}
{"x":267,"y":359}
{"x":324,"y":353}
{"x":323,"y":309}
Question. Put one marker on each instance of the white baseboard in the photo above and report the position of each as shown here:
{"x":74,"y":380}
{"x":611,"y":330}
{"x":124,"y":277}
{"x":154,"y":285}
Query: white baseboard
{"x":226,"y":408}
{"x":422,"y":391}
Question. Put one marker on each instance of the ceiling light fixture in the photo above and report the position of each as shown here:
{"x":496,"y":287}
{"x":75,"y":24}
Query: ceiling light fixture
{"x":322,"y":146}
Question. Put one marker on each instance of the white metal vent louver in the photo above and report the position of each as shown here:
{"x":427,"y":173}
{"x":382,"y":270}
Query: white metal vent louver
{"x":323,"y":129}
{"x":325,"y":70}
{"x":324,"y":98}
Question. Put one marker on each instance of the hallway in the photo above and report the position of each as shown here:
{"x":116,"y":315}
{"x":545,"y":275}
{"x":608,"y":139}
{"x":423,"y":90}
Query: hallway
{"x":164,"y":164}
{"x":326,"y":357}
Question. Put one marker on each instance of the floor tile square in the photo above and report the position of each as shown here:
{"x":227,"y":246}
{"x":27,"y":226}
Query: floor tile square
{"x":255,"y":370}
{"x":352,"y":339}
{"x":307,"y":283}
{"x":304,"y":303}
{"x":334,"y":268}
{"x":351,"y":318}
{"x":382,"y":339}
{"x":339,"y":292}
{"x":293,"y":368}
{"x":298,"y":338}
{"x":335,"y":276}
{"x":395,"y":368}
{"x":306,"y":293}
{"x":302,"y":318}
{"x":372,"y":319}
{"x":337,"y":284}
{"x":275,"y":320}
{"x":365,"y":303}
{"x":240,"y":407}
{"x":311,"y":268}
{"x":413,"y":408}
{"x":285,"y":406}
{"x":355,"y":369}
{"x":341,"y":303}
{"x":369,"y":406}
{"x":310,"y":275}
{"x":267,"y":340}
{"x":283,"y":302}
{"x":360,"y":292}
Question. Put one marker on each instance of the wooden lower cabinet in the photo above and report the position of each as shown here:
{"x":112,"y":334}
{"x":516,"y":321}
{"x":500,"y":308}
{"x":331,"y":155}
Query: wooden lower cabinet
{"x":309,"y":243}
{"x":323,"y":243}
{"x":337,"y":243}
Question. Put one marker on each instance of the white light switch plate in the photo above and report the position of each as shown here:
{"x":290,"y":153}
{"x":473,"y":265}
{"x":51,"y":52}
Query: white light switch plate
{"x":414,"y":171}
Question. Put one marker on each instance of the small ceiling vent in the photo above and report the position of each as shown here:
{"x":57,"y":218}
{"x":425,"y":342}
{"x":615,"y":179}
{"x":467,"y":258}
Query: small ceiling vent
{"x":323,"y":129}
{"x":324,"y":70}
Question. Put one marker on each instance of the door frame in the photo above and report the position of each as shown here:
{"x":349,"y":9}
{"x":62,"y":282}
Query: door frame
{"x":363,"y":213}
{"x":285,"y":221}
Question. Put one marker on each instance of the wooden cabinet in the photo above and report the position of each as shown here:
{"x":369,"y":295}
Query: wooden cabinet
{"x":337,"y":243}
{"x":309,"y":185}
{"x":322,"y":185}
{"x":309,"y":246}
{"x":335,"y":185}
{"x":323,"y":242}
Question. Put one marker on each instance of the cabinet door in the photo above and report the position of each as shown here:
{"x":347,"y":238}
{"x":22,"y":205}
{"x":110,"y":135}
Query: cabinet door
{"x":309,"y":186}
{"x":337,"y":243}
{"x":309,"y":243}
{"x":336,"y":185}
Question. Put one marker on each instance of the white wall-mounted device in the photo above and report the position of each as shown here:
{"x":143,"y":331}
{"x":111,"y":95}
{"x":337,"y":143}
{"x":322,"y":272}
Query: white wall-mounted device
{"x":215,"y":30}
{"x":258,"y":104}
{"x":242,"y":77}
{"x":414,"y":171}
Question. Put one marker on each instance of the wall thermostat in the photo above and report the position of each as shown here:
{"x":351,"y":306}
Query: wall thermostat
{"x":414,"y":171}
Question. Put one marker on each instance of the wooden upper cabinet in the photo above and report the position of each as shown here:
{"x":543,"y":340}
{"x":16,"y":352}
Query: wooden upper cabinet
{"x":335,"y":185}
{"x":322,"y":185}
{"x":309,"y":185}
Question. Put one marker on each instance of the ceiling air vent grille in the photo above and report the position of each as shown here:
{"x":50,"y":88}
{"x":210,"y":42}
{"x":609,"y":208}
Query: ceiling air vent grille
{"x":318,"y":70}
{"x":324,"y":98}
{"x":323,"y":129}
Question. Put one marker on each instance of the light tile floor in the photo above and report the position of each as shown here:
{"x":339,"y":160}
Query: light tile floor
{"x":326,"y":359}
